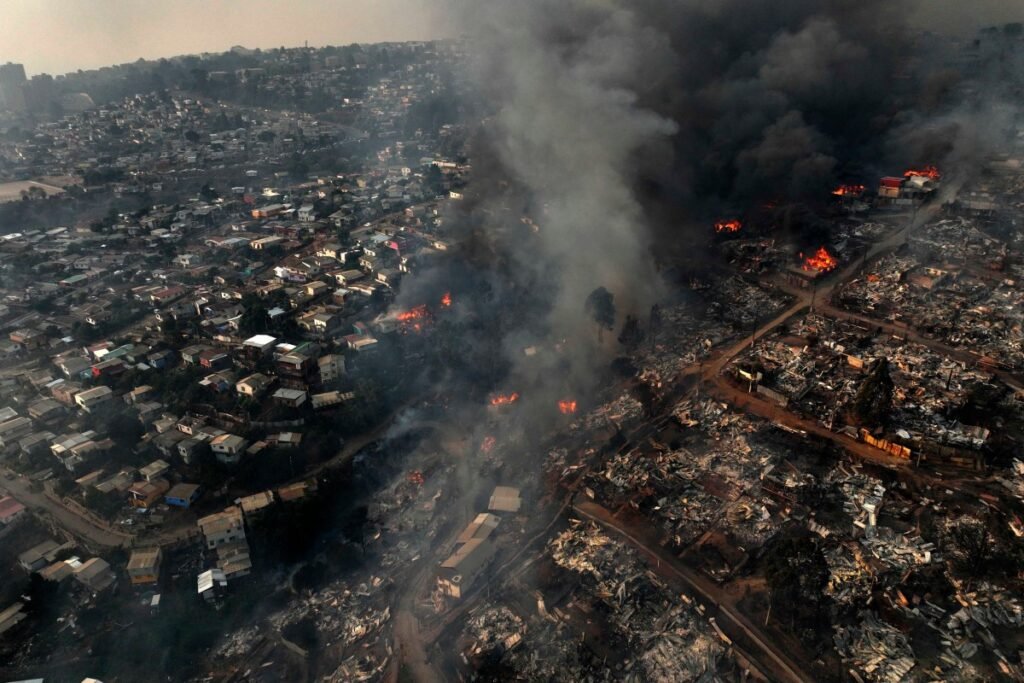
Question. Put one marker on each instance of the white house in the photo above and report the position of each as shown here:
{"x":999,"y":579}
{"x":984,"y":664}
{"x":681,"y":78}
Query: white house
{"x":91,"y":399}
{"x":228,"y":448}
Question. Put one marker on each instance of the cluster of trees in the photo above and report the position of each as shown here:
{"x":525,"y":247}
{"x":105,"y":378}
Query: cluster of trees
{"x":430,"y":113}
{"x":42,"y":213}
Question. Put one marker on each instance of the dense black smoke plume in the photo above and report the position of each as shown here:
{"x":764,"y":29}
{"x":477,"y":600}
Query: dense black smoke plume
{"x":632,"y":125}
{"x":628,"y":127}
{"x":751,"y":99}
{"x":616,"y":132}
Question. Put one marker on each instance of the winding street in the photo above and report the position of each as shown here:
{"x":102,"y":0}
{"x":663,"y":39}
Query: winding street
{"x":81,"y":527}
{"x":712,"y":596}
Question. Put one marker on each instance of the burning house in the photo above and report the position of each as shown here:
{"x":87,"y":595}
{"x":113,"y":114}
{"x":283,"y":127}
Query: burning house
{"x":728,"y":226}
{"x":914,"y":187}
{"x":810,"y":267}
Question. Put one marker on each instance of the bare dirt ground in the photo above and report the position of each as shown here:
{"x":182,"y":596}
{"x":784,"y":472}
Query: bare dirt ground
{"x":11,"y":192}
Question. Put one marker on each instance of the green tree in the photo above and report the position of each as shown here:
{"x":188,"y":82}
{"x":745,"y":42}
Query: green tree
{"x":435,"y":179}
{"x":631,"y":334}
{"x":208,"y":194}
{"x":600,"y":305}
{"x":255,"y":318}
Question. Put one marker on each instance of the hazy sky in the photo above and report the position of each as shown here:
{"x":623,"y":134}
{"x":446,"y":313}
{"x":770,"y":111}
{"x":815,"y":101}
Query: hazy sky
{"x":56,"y":36}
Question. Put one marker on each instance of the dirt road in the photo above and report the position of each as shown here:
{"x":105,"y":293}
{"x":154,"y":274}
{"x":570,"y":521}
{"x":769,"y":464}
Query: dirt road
{"x":769,"y":657}
{"x":805,"y":298}
{"x":75,"y":524}
{"x":409,"y":648}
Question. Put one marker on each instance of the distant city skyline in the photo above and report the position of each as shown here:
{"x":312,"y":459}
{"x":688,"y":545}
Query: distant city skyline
{"x":60,"y":36}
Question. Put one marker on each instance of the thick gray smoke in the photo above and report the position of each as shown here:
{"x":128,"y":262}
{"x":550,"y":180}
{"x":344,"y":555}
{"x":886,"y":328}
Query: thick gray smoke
{"x":635,"y":124}
{"x":568,"y":126}
{"x":631,"y":125}
{"x":617,"y":131}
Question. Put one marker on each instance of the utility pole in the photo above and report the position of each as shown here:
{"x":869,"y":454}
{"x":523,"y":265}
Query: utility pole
{"x":700,"y":375}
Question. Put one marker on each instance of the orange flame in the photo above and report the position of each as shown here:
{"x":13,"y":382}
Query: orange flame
{"x":446,"y":300}
{"x":504,"y":399}
{"x":821,"y":261}
{"x":846,"y":190}
{"x":927,"y":172}
{"x":567,"y":407}
{"x":728,"y":226}
{"x":417,"y":313}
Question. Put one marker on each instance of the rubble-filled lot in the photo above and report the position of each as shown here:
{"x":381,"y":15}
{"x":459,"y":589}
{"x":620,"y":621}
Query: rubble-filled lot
{"x":342,"y":614}
{"x":818,"y":365}
{"x":646,"y":632}
{"x":706,"y":471}
{"x":669,"y":639}
{"x":610,"y":620}
{"x":711,"y":313}
{"x":876,"y":649}
{"x":953,"y":283}
{"x":933,"y":622}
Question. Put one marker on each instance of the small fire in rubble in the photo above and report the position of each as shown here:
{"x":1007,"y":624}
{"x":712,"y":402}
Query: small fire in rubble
{"x":820,"y":261}
{"x":413,"y":314}
{"x":504,"y":399}
{"x":487,"y":445}
{"x":415,"y":477}
{"x":446,"y":300}
{"x":414,"y":318}
{"x":926,"y":172}
{"x":848,"y":190}
{"x":567,"y":407}
{"x":728,"y":226}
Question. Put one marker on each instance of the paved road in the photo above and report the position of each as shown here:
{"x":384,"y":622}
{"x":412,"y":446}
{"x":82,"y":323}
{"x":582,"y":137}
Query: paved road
{"x":73,"y":523}
{"x":768,"y":656}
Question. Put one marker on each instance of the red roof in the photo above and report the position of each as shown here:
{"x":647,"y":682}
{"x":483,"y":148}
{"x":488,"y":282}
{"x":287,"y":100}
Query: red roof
{"x":9,"y":507}
{"x":891,"y":182}
{"x":168,"y":293}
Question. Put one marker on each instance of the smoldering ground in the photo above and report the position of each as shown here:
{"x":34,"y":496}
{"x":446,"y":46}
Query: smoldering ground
{"x":616,"y":132}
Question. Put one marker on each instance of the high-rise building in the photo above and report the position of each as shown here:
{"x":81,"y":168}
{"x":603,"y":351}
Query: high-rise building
{"x":39,"y":93}
{"x":12,"y":80}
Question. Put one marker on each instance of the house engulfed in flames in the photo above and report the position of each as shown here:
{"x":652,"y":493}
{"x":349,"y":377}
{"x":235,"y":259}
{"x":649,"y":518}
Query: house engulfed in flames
{"x":915,"y":186}
{"x":414,"y":319}
{"x":728,"y":226}
{"x":849,"y":191}
{"x":810,"y":267}
{"x":819,"y":262}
